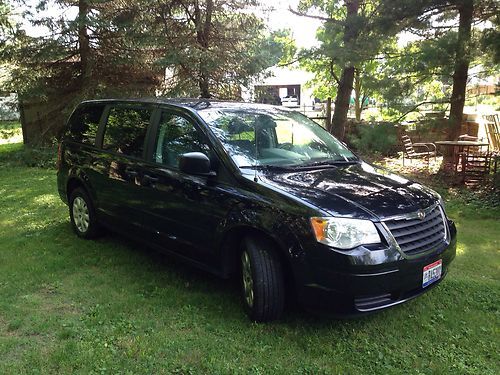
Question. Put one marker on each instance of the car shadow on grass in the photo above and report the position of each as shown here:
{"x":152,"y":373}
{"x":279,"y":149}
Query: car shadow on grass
{"x":200,"y":288}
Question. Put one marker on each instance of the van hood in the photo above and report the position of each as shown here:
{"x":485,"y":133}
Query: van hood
{"x":357,"y":190}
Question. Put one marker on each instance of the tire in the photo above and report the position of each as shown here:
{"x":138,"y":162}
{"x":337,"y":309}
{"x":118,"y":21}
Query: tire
{"x":263,"y":285}
{"x":82,"y":215}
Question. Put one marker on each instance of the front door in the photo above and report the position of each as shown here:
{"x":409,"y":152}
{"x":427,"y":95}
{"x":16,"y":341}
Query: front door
{"x":184,"y":210}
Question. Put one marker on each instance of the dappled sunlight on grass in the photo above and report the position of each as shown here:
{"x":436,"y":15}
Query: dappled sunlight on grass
{"x":47,"y":199}
{"x":15,"y":138}
{"x":10,"y":132}
{"x":478,"y":249}
{"x":418,"y":167}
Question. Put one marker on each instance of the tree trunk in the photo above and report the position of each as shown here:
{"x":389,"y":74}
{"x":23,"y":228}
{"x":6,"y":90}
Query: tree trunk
{"x":22,"y":119}
{"x":328,"y":122}
{"x":347,"y":79}
{"x":358,"y":104}
{"x":342,"y":102}
{"x":203,"y":30}
{"x":462,"y":60}
{"x":83,"y":40}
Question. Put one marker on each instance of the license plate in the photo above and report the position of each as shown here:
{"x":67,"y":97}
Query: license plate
{"x":432,"y":273}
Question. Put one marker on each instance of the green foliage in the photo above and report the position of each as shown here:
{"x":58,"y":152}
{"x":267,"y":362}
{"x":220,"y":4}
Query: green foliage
{"x":380,"y":138}
{"x":490,"y":43}
{"x":18,"y":156}
{"x":95,"y":53}
{"x":419,"y":72}
{"x":496,"y":184}
{"x":279,"y":47}
{"x":482,"y":201}
{"x":400,"y":77}
{"x":6,"y":22}
{"x":216,"y":51}
{"x":368,"y":39}
{"x":118,"y":49}
{"x":123,"y":49}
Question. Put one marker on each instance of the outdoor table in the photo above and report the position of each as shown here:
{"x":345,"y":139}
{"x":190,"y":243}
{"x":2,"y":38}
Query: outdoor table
{"x":459,"y":147}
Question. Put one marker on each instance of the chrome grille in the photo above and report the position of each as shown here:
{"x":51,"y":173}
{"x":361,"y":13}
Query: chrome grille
{"x":414,"y":235}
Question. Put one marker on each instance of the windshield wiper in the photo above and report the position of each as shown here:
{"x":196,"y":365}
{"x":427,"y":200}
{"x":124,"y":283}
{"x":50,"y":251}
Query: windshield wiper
{"x":268,"y":167}
{"x":327,"y":163}
{"x":321,"y":164}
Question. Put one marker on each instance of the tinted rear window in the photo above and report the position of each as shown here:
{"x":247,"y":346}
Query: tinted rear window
{"x":84,"y":123}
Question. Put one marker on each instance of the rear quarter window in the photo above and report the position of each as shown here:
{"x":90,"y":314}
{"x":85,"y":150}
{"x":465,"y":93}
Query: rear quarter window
{"x":84,"y":123}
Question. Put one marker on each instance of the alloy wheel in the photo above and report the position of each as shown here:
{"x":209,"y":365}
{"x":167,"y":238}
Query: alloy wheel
{"x":81,"y":214}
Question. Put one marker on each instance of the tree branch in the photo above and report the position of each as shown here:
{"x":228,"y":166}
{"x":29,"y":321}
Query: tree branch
{"x":332,"y":72}
{"x":363,"y":99}
{"x":326,"y":19}
{"x":421,"y":104}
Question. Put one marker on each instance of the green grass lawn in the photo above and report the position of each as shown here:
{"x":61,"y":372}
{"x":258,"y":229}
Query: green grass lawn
{"x":111,"y":306}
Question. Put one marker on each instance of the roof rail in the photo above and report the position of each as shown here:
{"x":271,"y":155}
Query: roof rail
{"x":201,"y":104}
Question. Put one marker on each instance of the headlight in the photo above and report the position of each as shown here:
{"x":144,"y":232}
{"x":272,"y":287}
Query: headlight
{"x":343,"y":233}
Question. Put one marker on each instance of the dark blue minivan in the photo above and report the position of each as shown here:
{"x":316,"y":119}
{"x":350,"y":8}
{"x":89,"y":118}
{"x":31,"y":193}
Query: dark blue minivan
{"x":255,"y":191}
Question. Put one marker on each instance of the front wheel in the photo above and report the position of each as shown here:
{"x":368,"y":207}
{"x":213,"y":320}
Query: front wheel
{"x":263,"y":285}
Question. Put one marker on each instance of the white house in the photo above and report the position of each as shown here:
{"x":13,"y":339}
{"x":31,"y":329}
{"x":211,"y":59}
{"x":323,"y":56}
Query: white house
{"x":283,"y":86}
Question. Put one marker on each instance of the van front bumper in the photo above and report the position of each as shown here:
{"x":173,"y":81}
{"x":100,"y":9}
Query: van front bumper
{"x":349,"y":285}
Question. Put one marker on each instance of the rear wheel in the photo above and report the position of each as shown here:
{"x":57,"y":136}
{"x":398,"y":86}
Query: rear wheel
{"x":81,"y":213}
{"x":263,"y":285}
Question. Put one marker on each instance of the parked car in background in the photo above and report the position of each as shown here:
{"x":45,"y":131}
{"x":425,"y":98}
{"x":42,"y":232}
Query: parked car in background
{"x":255,"y":191}
{"x":290,"y":101}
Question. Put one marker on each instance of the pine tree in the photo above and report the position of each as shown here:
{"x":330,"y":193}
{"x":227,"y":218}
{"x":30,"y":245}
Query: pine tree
{"x":351,"y":38}
{"x":211,"y":47}
{"x":122,"y":48}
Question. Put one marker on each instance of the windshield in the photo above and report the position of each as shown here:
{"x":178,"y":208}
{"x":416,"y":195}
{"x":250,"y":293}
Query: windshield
{"x":273,"y":137}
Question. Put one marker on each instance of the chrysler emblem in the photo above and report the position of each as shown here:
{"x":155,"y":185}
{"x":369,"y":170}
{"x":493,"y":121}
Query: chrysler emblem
{"x":421,"y":214}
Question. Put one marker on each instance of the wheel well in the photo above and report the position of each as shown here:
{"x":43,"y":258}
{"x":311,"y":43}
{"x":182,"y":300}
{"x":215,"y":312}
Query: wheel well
{"x":231,"y":246}
{"x":72,"y":185}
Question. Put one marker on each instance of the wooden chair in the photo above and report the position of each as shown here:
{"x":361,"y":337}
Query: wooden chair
{"x":475,"y":162}
{"x":470,"y":149}
{"x":493,"y":131}
{"x":409,"y":149}
{"x":475,"y":167}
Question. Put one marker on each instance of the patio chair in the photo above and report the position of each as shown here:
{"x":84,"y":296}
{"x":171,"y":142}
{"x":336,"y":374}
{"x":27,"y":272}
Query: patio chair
{"x":475,"y":157}
{"x":493,"y":131}
{"x":471,"y":149}
{"x":475,"y":167}
{"x":429,"y":149}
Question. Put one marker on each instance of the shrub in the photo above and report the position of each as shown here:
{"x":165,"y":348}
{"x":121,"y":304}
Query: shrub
{"x":496,"y":181}
{"x":380,"y":138}
{"x":22,"y":155}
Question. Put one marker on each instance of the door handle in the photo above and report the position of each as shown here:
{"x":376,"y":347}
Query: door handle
{"x":131,"y":172}
{"x":150,"y":179}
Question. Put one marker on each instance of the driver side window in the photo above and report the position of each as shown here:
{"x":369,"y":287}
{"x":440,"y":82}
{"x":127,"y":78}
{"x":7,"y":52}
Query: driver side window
{"x":176,"y":136}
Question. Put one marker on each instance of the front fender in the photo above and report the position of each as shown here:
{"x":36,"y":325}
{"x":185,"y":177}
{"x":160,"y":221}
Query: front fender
{"x":283,"y":228}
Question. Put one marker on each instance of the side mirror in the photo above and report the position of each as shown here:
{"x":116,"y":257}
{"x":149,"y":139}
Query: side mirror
{"x":195,"y":163}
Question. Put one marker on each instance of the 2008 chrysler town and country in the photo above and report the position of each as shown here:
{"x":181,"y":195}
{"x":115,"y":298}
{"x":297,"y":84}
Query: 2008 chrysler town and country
{"x":257,"y":191}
